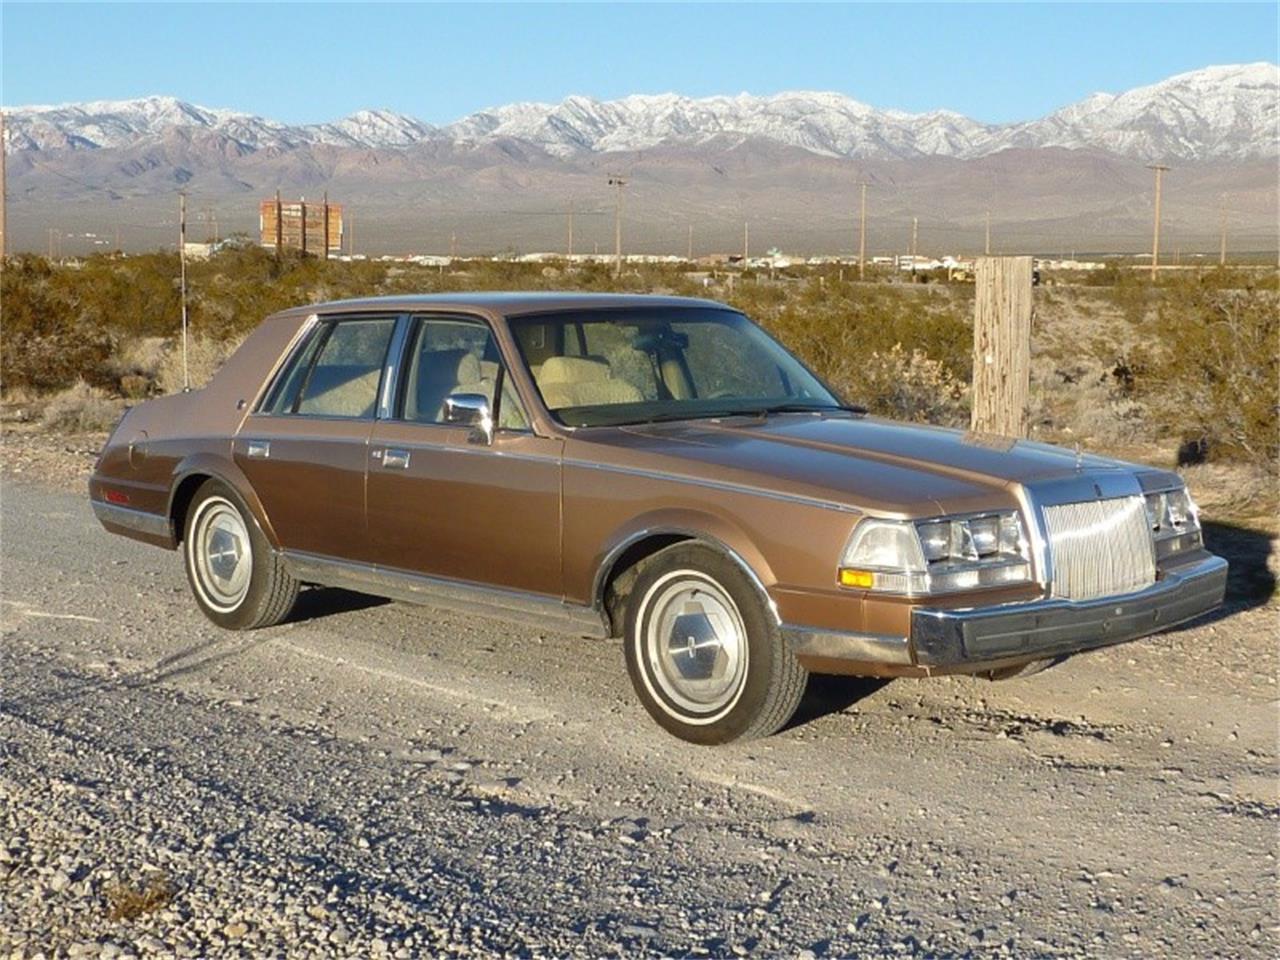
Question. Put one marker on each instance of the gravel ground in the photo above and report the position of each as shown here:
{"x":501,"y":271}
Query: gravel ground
{"x":379,"y":779}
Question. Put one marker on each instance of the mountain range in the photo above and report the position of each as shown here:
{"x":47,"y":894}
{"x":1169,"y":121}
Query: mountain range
{"x":719,"y":159}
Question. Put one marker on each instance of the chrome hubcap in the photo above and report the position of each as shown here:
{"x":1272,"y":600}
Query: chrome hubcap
{"x":221,"y":552}
{"x":695,"y":643}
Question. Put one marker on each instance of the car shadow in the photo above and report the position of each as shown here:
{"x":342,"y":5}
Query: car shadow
{"x":1250,"y":581}
{"x":825,"y":694}
{"x":314,"y":603}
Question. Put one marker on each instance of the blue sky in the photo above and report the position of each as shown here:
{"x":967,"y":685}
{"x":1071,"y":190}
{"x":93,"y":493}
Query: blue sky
{"x":311,"y":62}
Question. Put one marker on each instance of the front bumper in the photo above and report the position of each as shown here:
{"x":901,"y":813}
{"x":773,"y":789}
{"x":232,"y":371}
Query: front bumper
{"x":1053,"y":627}
{"x":970,"y":640}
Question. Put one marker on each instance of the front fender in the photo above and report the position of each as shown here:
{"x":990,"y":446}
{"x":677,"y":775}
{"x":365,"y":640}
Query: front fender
{"x":717,"y":531}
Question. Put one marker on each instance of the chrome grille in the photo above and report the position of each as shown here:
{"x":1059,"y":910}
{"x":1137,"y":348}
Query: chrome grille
{"x":1101,"y":548}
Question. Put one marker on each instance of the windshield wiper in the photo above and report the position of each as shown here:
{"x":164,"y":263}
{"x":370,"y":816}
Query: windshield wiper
{"x":799,"y":407}
{"x":787,"y":407}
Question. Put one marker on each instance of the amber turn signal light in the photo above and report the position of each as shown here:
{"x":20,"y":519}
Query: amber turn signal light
{"x":862,"y":579}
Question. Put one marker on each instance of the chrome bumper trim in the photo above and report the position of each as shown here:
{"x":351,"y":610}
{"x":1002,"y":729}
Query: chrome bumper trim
{"x":837,"y":645}
{"x":138,"y":521}
{"x":1047,"y":628}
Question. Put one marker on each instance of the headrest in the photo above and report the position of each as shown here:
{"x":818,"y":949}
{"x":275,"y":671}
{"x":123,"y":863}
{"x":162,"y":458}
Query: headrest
{"x":469,"y":368}
{"x":573,"y":370}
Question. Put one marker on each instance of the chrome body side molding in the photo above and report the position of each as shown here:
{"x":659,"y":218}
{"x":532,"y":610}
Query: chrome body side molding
{"x":136,"y":521}
{"x":548,"y":613}
{"x":839,"y":645}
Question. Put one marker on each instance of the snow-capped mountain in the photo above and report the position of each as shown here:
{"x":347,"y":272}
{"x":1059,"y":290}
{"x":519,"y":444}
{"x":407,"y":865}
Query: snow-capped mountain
{"x":1220,"y":113}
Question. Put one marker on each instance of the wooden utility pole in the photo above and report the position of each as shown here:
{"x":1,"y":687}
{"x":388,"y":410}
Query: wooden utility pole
{"x":746,"y":243}
{"x":326,"y":225}
{"x":1222,"y":226}
{"x":986,"y":250}
{"x":303,"y":205}
{"x":1155,"y":238}
{"x":453,"y":245}
{"x":349,"y":224}
{"x":1001,"y":345}
{"x":690,"y":254}
{"x":617,"y":183}
{"x":570,"y":229}
{"x":862,"y":235}
{"x":4,"y":197}
{"x":182,"y":261}
{"x":279,"y":226}
{"x":51,"y":230}
{"x":915,"y":232}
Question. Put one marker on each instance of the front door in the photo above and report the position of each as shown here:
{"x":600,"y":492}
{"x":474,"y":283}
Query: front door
{"x":444,"y":505}
{"x":304,"y":450}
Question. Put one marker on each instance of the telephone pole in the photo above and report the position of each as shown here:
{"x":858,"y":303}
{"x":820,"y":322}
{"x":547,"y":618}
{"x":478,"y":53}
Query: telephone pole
{"x":746,"y":243}
{"x":1155,"y":238}
{"x":325,"y":255}
{"x":1222,"y":224}
{"x":862,"y":234}
{"x":570,"y":229}
{"x":182,"y":260}
{"x":987,"y":248}
{"x":690,"y":256}
{"x":279,"y":226}
{"x":915,"y":232}
{"x":617,"y":183}
{"x":4,"y":197}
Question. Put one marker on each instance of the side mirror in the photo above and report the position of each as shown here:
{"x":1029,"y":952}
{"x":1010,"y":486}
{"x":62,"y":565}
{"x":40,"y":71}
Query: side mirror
{"x":470,"y":410}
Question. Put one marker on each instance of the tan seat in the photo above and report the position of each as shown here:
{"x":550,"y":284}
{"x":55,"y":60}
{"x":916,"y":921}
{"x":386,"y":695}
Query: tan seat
{"x":582,"y":382}
{"x":481,"y":376}
{"x":341,"y":391}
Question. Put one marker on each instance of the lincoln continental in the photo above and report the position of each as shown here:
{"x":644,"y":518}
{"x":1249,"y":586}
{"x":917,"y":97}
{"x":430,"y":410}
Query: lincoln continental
{"x":654,"y":469}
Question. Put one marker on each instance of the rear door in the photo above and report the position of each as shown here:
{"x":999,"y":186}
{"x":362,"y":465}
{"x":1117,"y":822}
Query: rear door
{"x":304,"y":449}
{"x":444,"y":505}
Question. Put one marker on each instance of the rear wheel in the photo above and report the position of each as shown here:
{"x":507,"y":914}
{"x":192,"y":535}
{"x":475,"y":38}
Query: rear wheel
{"x":704,"y":651}
{"x":237,"y":579}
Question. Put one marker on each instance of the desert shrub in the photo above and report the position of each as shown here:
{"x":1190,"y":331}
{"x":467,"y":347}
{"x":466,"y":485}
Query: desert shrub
{"x":204,"y":356}
{"x":911,"y":386}
{"x":82,"y":408}
{"x":55,"y":360}
{"x":1208,"y":369}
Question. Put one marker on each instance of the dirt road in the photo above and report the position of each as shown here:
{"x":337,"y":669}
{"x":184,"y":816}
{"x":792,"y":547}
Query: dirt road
{"x":376,"y":778}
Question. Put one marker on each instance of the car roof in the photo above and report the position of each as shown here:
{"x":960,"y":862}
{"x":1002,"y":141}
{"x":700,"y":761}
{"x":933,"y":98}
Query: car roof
{"x":508,"y":303}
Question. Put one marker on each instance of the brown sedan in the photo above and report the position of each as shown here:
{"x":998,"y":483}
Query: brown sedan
{"x":651,"y":468}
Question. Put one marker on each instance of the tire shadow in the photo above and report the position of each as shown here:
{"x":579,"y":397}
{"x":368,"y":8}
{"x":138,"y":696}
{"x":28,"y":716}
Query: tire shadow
{"x":1250,"y":582}
{"x":825,"y":695}
{"x":313,"y":603}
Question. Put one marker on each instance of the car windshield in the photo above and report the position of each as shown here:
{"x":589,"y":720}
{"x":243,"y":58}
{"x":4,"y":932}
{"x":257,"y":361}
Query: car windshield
{"x":608,"y":367}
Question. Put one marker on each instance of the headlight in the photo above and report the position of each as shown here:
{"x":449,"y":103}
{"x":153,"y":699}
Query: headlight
{"x":1175,"y":522}
{"x":936,"y":556}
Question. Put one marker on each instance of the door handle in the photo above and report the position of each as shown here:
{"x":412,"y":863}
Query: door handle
{"x":395,"y":459}
{"x":258,"y":449}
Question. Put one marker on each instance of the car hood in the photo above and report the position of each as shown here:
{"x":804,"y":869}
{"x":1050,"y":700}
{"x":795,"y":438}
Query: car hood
{"x":865,"y":463}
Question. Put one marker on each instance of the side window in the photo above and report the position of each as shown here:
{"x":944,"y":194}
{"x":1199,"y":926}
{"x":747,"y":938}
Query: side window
{"x":338,"y":372}
{"x":457,"y":356}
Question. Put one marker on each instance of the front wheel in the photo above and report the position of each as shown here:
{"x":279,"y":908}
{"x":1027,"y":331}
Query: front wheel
{"x":238,"y":581}
{"x":704,"y":651}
